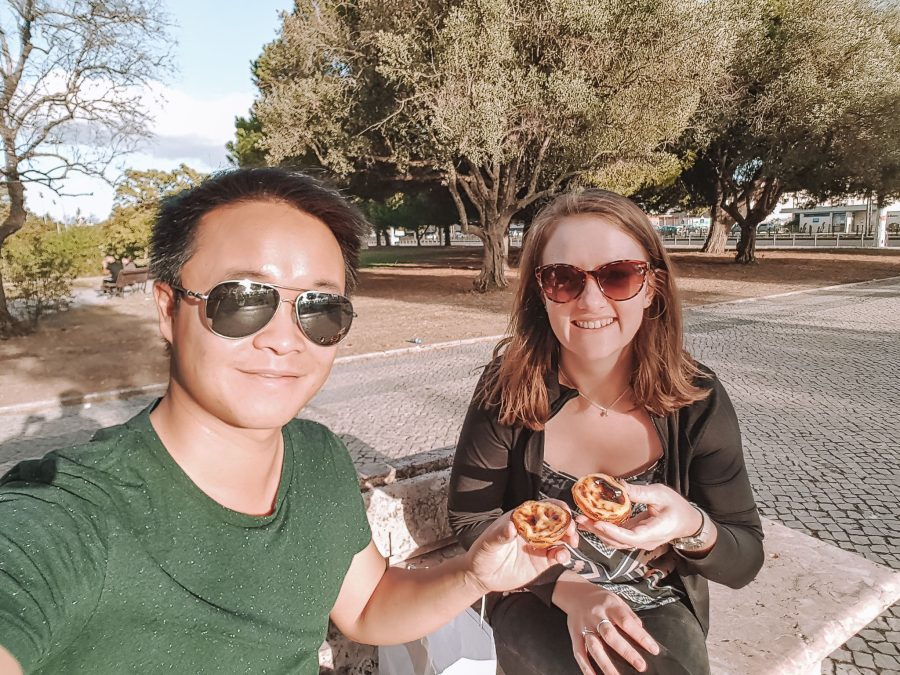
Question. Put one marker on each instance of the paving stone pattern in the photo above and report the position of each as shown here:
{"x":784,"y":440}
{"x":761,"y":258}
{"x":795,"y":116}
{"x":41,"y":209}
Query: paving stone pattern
{"x":814,"y":377}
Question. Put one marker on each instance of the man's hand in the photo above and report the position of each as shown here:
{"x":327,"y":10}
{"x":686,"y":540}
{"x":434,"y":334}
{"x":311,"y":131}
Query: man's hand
{"x":501,"y":560}
{"x":668,"y":516}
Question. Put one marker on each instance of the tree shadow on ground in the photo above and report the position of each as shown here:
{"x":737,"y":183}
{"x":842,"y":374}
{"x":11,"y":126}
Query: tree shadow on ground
{"x":45,"y":431}
{"x":448,"y":288}
{"x":89,"y":348}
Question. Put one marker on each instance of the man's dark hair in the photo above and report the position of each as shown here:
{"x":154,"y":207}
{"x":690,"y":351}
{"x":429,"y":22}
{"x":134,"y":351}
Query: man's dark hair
{"x":175,"y":228}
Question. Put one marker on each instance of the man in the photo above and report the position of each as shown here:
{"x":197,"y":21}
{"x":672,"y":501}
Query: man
{"x":112,"y":267}
{"x":213,"y":532}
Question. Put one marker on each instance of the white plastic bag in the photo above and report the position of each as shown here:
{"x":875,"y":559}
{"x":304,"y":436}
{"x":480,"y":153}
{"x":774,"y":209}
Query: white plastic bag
{"x":464,"y":646}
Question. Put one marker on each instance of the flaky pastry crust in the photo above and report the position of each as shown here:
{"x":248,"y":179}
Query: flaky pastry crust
{"x":602,"y":497}
{"x":541,"y":524}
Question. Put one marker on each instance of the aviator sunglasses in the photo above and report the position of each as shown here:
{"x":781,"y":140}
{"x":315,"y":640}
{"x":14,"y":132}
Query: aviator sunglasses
{"x":238,"y":309}
{"x":618,"y":280}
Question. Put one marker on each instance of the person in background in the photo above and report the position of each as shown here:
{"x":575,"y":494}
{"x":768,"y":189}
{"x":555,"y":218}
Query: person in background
{"x":112,"y":267}
{"x":594,"y":378}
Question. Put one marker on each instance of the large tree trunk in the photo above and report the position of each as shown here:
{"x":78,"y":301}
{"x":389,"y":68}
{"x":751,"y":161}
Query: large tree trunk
{"x":719,"y":227}
{"x":749,"y":209}
{"x":746,"y":246}
{"x":493,"y":263}
{"x":446,"y":229}
{"x":12,"y":224}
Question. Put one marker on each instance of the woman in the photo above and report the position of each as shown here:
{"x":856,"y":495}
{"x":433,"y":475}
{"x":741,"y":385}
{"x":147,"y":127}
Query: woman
{"x":594,"y":378}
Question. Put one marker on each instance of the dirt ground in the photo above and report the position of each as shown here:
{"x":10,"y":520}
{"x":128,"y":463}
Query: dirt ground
{"x":113,"y":343}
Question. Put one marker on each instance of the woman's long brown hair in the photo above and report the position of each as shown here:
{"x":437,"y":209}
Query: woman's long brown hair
{"x":665,"y":375}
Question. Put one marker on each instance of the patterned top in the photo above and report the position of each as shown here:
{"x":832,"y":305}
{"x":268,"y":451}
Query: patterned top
{"x":634,"y":575}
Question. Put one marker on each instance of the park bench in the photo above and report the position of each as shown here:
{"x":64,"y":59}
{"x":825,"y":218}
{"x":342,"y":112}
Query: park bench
{"x":136,"y":277}
{"x":809,"y":598}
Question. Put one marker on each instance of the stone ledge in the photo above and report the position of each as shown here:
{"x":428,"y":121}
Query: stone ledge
{"x":809,"y":598}
{"x":409,"y":517}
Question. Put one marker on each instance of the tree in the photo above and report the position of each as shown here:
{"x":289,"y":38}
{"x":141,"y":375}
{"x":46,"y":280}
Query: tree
{"x":416,"y":211}
{"x":869,"y":152}
{"x":73,"y":74}
{"x":245,"y":150}
{"x":127,"y":231}
{"x":782,"y":119}
{"x":505,"y":102}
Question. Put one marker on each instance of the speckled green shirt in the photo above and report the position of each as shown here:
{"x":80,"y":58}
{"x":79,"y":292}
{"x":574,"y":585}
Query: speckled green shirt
{"x":113,"y":561}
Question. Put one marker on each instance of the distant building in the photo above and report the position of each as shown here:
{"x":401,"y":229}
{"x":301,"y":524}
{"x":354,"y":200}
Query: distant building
{"x":844,"y":218}
{"x":680,"y":223}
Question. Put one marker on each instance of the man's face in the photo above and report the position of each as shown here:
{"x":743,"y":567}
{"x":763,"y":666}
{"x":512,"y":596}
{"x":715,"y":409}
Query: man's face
{"x":260,"y":381}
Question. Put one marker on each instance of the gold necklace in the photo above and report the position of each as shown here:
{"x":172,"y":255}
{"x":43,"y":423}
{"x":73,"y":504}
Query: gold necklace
{"x":604,"y":410}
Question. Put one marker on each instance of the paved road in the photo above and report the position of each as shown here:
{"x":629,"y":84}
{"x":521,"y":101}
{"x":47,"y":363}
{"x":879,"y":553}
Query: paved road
{"x":814,"y":377}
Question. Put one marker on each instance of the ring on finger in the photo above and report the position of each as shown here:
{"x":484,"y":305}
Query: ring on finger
{"x":587,"y":630}
{"x":601,"y":623}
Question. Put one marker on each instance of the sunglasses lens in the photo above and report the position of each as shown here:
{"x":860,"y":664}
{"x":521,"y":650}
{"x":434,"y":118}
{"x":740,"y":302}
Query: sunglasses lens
{"x":561,"y":283}
{"x":324,"y":318}
{"x":236,"y":309}
{"x":621,"y":280}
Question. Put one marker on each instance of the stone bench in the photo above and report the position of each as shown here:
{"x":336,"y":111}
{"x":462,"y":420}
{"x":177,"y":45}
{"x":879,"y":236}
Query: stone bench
{"x":809,"y":598}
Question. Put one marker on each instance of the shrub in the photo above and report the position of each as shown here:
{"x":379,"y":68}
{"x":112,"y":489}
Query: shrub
{"x":84,"y":245}
{"x":40,"y":266}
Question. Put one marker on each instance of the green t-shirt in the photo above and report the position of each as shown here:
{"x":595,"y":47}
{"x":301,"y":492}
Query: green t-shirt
{"x":113,"y":561}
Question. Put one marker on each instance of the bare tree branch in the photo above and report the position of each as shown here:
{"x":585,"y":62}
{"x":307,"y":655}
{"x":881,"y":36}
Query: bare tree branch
{"x":71,"y":97}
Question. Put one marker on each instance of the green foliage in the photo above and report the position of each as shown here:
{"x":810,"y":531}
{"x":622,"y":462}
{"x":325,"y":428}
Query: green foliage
{"x":483,"y":80}
{"x":408,"y":211}
{"x":627,"y":177}
{"x":40,"y":265}
{"x":84,"y":244}
{"x":808,"y":102}
{"x":245,"y":150}
{"x":506,"y":102}
{"x":412,"y":211}
{"x":145,"y":188}
{"x":127,"y":231}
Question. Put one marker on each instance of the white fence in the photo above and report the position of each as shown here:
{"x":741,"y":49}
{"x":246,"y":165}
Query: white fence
{"x":794,"y":240}
{"x":696,"y":241}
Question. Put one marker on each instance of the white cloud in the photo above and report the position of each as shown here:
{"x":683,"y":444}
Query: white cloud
{"x":186,"y":129}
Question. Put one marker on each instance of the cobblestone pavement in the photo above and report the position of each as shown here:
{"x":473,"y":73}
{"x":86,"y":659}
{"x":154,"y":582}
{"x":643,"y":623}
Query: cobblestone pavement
{"x":814,"y":377}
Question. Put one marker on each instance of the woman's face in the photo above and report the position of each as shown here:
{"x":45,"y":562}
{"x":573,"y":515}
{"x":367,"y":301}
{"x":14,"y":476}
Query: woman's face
{"x":593,"y":327}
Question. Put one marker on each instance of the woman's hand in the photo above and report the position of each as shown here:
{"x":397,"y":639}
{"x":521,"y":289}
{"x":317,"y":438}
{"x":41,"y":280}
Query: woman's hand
{"x":600,"y":621}
{"x":501,"y":560}
{"x":668,"y":516}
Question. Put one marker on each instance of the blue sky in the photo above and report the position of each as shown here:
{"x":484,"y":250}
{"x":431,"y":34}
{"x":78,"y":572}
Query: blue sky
{"x":217,"y":41}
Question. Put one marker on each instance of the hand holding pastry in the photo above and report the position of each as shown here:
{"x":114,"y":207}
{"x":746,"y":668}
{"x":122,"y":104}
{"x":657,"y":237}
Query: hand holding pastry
{"x":501,"y":560}
{"x":668,"y":517}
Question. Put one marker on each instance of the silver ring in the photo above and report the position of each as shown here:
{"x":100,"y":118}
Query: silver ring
{"x":601,"y":622}
{"x":587,"y":630}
